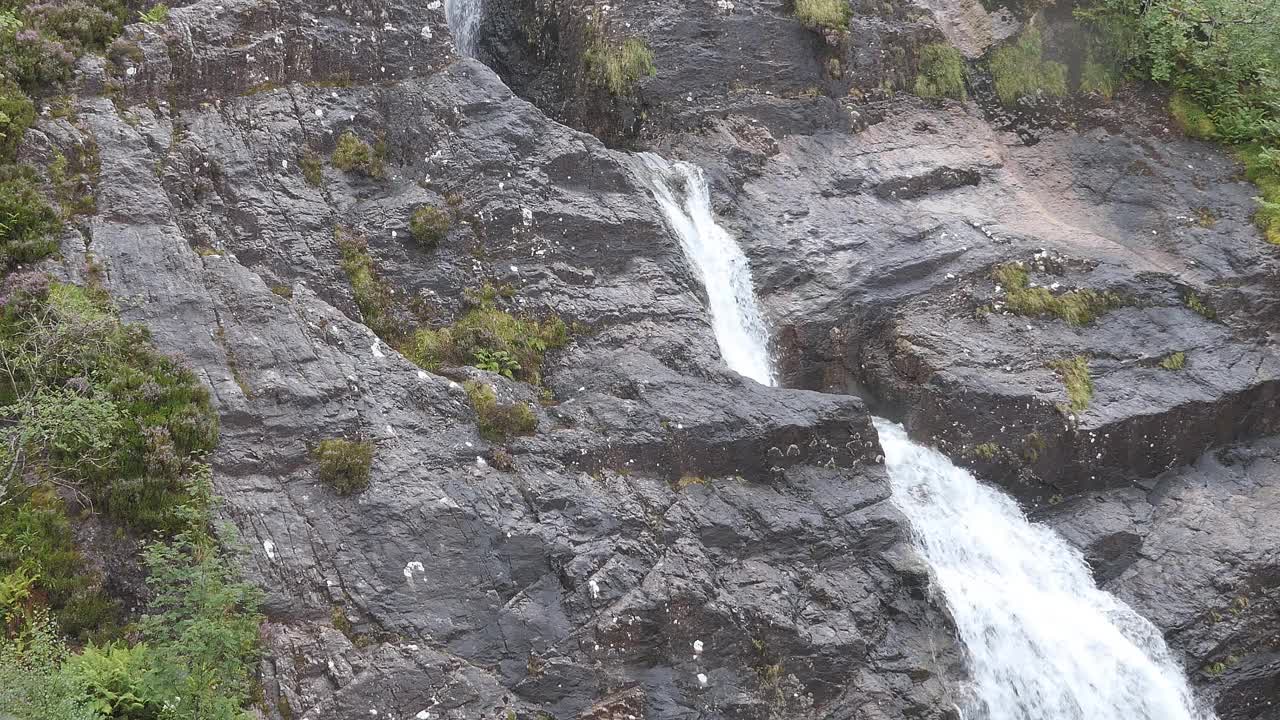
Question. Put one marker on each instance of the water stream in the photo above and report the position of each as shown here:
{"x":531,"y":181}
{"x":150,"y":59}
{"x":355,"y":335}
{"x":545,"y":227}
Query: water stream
{"x":1043,"y":642}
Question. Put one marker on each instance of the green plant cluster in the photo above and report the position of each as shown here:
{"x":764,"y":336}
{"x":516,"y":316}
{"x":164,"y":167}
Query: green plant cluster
{"x":1174,"y":361}
{"x":428,"y":225}
{"x":1077,"y":307}
{"x":820,"y":14}
{"x":344,"y":465}
{"x":941,"y":72}
{"x":195,"y":650}
{"x":496,"y":420}
{"x":373,"y":296}
{"x":1222,"y":58}
{"x":1075,"y":376}
{"x":1019,"y":69}
{"x":617,"y":68}
{"x":355,"y":155}
{"x":491,"y":338}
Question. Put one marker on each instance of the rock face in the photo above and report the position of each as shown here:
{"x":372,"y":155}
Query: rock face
{"x":675,"y":540}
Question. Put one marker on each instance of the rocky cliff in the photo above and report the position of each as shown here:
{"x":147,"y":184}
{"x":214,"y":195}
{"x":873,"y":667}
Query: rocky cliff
{"x":674,"y":540}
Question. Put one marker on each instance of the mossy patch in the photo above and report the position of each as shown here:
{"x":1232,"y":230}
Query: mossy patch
{"x":1076,"y":307}
{"x":344,"y":465}
{"x":1191,"y":118}
{"x":1174,"y":361}
{"x":986,"y":451}
{"x":355,"y":155}
{"x":1019,"y":70}
{"x":617,"y":68}
{"x":496,"y":420}
{"x":372,"y":296}
{"x":823,"y":14}
{"x":312,"y":167}
{"x":487,"y":334}
{"x":428,"y":225}
{"x":941,"y":72}
{"x":1262,"y":167}
{"x":1075,"y":376}
{"x":1197,"y":304}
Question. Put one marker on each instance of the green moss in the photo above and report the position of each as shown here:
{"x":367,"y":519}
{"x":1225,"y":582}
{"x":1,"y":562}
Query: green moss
{"x":355,"y":155}
{"x":986,"y":451}
{"x":428,"y":226}
{"x":283,"y":291}
{"x":617,"y":68}
{"x":828,"y":14}
{"x":499,"y":421}
{"x":1191,"y":118}
{"x":1032,"y":445}
{"x":1076,"y":307}
{"x":941,"y":72}
{"x":1174,"y":361}
{"x":1075,"y":376}
{"x":344,"y":465}
{"x":1019,"y":70}
{"x":1193,"y":300}
{"x":486,"y":330}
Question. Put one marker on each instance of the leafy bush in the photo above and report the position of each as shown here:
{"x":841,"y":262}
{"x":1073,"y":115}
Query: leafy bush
{"x":490,"y":337}
{"x":1019,"y":70}
{"x":114,"y":678}
{"x":355,"y":155}
{"x":941,"y":72}
{"x":26,"y":220}
{"x":344,"y":465}
{"x":498,"y":421}
{"x":618,"y":67}
{"x":1077,"y":307}
{"x":1075,"y":376}
{"x":830,"y":14}
{"x":90,"y":403}
{"x":17,"y":113}
{"x":33,"y":685}
{"x":428,"y":225}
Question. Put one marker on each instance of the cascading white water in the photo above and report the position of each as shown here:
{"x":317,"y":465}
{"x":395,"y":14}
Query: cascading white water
{"x":463,"y":17}
{"x":1044,"y":643}
{"x":681,"y":191}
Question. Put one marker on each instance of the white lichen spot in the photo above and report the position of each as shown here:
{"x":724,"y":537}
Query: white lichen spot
{"x":702,"y":679}
{"x":595,"y":589}
{"x":410,"y":568}
{"x":270,"y":548}
{"x":480,"y":463}
{"x":284,"y":164}
{"x":422,"y":715}
{"x":526,"y":216}
{"x":377,"y":352}
{"x":422,"y":374}
{"x":697,"y":647}
{"x":319,"y":112}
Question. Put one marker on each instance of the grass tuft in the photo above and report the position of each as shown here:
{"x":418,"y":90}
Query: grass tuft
{"x":1174,"y":361}
{"x":619,"y":67}
{"x":1075,"y":375}
{"x":498,"y":421}
{"x":818,"y":14}
{"x":428,"y":225}
{"x":344,"y":465}
{"x":1076,"y":307}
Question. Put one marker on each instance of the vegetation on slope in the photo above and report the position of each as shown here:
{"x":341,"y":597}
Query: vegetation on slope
{"x":1222,"y":59}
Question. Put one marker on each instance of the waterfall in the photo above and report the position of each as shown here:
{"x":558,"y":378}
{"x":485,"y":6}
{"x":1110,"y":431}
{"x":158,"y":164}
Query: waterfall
{"x":681,"y":192}
{"x":463,"y":17}
{"x":1043,"y":642}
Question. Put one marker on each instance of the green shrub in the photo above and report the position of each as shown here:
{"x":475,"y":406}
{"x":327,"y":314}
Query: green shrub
{"x":344,"y":465}
{"x":489,"y":337}
{"x":428,"y":225}
{"x":829,"y":14}
{"x":114,"y":678}
{"x":941,"y":72}
{"x":986,"y":451}
{"x":618,"y":67}
{"x":1075,"y":376}
{"x":355,"y":155}
{"x":17,"y":113}
{"x":1019,"y":70}
{"x":1262,"y":166}
{"x":87,"y":399}
{"x":1077,"y":307}
{"x":499,"y":421}
{"x":27,"y":223}
{"x":33,"y":685}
